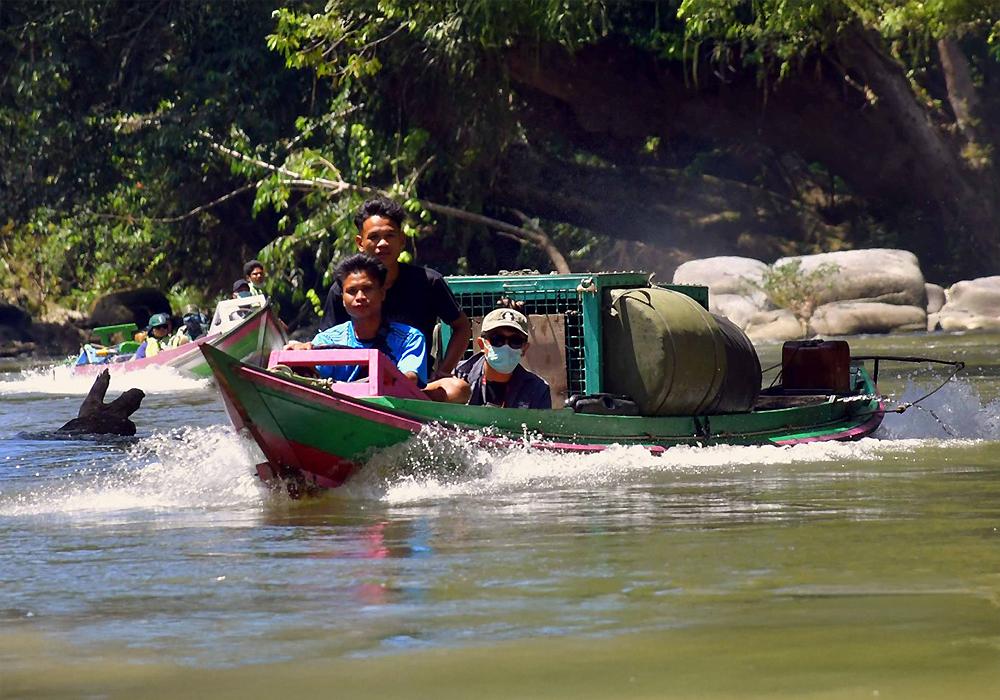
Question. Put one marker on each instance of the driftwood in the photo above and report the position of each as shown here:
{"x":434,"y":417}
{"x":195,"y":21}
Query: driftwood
{"x":99,"y":418}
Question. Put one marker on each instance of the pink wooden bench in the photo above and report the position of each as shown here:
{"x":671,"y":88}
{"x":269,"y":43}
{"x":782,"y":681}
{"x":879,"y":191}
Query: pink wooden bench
{"x":384,"y":378}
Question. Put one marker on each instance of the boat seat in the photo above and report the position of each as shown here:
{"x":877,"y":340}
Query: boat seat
{"x":384,"y":378}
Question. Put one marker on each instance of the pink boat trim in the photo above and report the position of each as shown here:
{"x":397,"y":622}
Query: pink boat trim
{"x":384,"y":378}
{"x":855,"y":433}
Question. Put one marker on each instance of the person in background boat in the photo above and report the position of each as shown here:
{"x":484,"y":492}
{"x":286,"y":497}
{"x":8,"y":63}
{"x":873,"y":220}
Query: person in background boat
{"x":158,"y":330}
{"x":241,"y":288}
{"x":415,"y":295}
{"x":194,"y":326}
{"x":494,"y":375}
{"x":254,"y":273}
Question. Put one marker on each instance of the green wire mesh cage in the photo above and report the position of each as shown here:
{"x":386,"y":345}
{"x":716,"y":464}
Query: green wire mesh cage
{"x":572,"y":303}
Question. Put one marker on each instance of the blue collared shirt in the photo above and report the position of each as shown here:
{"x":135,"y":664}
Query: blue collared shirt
{"x":406,"y":345}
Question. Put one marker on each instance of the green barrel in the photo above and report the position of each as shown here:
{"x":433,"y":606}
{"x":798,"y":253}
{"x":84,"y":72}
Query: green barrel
{"x":741,"y":385}
{"x":672,"y":357}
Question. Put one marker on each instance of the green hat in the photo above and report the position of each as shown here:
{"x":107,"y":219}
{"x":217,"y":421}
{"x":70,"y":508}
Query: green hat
{"x":158,"y":320}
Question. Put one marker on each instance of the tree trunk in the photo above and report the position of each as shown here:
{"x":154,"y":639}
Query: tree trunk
{"x":967,"y":202}
{"x":961,"y":92}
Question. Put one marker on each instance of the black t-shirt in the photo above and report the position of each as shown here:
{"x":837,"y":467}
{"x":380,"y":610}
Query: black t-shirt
{"x":495,"y":394}
{"x":418,"y":298}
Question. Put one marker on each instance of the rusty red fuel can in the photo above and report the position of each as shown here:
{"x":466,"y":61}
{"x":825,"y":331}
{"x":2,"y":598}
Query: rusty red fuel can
{"x":816,"y":366}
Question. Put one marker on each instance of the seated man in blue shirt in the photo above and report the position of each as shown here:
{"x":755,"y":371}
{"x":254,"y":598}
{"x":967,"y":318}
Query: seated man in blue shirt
{"x":362,"y":279}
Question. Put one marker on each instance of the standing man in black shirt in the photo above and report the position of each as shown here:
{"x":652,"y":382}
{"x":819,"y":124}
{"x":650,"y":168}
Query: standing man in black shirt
{"x":415,"y":295}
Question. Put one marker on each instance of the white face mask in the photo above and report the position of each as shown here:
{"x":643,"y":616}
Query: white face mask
{"x":503,"y":359}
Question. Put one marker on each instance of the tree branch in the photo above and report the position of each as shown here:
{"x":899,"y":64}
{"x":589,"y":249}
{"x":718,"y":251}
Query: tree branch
{"x":535,"y":237}
{"x":961,"y":90}
{"x":174,"y":219}
{"x":126,"y":54}
{"x":544,"y":242}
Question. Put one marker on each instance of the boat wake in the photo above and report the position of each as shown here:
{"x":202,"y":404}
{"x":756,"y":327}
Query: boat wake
{"x":165,"y":475}
{"x":439,"y":463}
{"x":209,"y":471}
{"x":60,"y":380}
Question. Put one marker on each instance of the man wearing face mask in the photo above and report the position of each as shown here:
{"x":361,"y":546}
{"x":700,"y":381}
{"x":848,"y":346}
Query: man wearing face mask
{"x":495,"y":375}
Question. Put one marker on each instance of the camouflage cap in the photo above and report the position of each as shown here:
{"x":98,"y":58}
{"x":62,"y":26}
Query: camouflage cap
{"x":505,"y":318}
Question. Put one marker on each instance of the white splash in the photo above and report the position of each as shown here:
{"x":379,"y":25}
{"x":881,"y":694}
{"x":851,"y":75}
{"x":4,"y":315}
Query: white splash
{"x":956,"y":411}
{"x":60,"y":380}
{"x":180,"y":470}
{"x":439,"y":464}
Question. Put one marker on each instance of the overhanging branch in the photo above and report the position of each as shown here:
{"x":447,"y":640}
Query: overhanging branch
{"x":533,"y":236}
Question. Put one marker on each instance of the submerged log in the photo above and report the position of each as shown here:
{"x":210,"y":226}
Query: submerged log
{"x":99,"y":418}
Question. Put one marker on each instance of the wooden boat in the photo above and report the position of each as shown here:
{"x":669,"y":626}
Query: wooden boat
{"x":316,"y":433}
{"x":319,"y":432}
{"x":251,"y":337}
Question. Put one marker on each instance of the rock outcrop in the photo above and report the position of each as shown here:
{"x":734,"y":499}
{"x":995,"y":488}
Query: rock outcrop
{"x":776,"y":325}
{"x":874,"y":274}
{"x":935,"y":297}
{"x":132,"y":305}
{"x":733,"y":284}
{"x":970,"y":305}
{"x":876,"y":290}
{"x":20,"y":335}
{"x":853,"y":317}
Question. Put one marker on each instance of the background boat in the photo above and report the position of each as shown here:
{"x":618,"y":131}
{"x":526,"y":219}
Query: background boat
{"x":251,"y":339}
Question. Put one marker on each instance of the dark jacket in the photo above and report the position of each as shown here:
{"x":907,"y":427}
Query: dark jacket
{"x":524,"y":390}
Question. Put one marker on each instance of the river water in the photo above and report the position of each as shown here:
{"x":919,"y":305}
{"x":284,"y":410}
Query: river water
{"x":160,"y":567}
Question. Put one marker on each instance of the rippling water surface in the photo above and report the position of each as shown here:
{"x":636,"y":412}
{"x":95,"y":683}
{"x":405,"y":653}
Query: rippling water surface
{"x":158,"y":566}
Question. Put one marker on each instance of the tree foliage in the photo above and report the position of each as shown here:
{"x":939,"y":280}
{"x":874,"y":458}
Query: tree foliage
{"x":163,"y":143}
{"x":788,"y":287}
{"x":100,"y":104}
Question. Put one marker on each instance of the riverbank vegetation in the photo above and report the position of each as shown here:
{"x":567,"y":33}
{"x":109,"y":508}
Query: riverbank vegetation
{"x":164,"y":143}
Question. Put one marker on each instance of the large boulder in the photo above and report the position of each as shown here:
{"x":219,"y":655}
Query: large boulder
{"x":935,"y":297}
{"x":15,"y":316}
{"x":852,"y":317}
{"x":56,"y":339}
{"x":14,"y":323}
{"x":132,"y":305}
{"x":776,"y":325}
{"x":874,"y":274}
{"x":737,"y":308}
{"x":978,"y":296}
{"x":725,"y":274}
{"x":954,"y":321}
{"x":20,"y":336}
{"x":971,"y":305}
